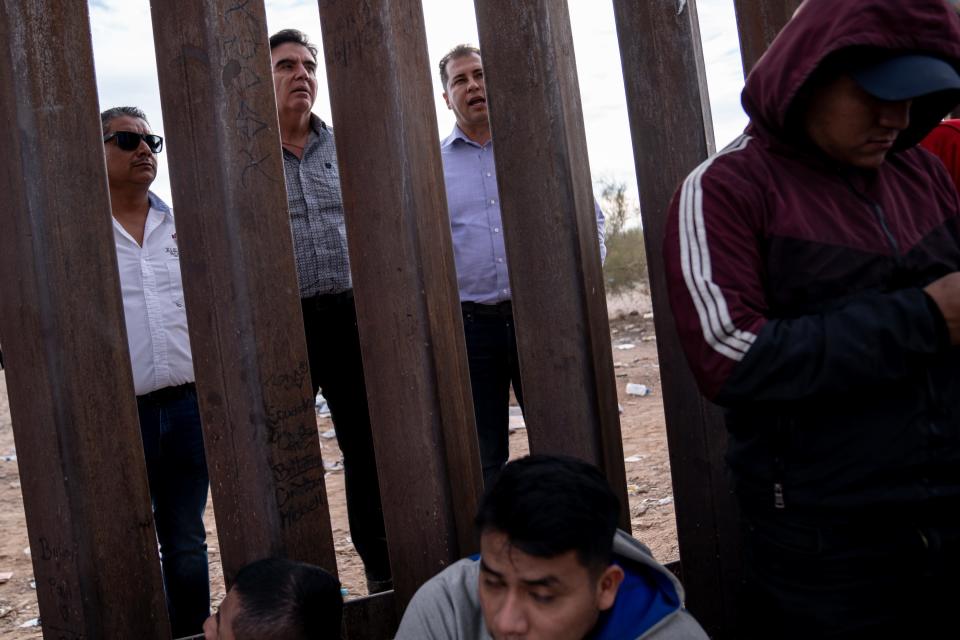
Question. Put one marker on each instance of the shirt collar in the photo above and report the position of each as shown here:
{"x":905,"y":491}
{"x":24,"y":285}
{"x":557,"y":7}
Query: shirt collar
{"x":458,"y":134}
{"x":157,"y":203}
{"x":317,"y":127}
{"x":317,"y":124}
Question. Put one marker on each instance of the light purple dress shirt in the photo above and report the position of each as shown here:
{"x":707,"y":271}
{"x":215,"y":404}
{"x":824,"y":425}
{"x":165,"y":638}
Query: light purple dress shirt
{"x":474,"y":204}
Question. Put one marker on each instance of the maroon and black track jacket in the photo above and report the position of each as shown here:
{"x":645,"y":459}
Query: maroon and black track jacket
{"x":797,"y":284}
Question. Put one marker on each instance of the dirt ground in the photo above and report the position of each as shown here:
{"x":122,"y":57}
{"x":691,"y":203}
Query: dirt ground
{"x":644,"y":446}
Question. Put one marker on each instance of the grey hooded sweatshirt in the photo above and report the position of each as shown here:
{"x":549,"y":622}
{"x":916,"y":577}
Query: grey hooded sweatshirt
{"x":447,"y":607}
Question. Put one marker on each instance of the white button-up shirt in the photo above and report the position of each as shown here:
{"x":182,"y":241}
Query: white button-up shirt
{"x":153,"y":302}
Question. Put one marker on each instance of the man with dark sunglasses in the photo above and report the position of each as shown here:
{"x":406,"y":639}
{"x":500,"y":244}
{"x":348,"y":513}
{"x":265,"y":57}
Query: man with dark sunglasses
{"x":130,"y":140}
{"x":156,"y":320}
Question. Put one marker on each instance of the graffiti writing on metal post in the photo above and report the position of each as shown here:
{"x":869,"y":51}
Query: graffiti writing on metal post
{"x":240,"y":75}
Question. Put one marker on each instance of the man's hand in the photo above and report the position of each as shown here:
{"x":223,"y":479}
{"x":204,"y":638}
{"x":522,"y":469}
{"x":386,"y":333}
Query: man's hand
{"x":946,"y":293}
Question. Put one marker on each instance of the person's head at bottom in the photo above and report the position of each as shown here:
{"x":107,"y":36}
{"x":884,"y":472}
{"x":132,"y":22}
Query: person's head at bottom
{"x":277,"y":599}
{"x":546,"y":544}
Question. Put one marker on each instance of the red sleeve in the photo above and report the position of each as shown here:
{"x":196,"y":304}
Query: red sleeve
{"x":738,"y":350}
{"x":944,"y":142}
{"x":714,"y":267}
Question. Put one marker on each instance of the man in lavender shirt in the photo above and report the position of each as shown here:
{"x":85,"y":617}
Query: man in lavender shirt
{"x":480,"y":256}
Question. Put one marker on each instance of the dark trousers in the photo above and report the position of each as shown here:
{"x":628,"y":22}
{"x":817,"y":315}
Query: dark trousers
{"x":177,"y":471}
{"x":336,"y":369}
{"x":895,"y":576}
{"x":492,"y":354}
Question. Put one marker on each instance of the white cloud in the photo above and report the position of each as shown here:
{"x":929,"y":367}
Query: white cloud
{"x":126,"y":67}
{"x":721,"y":53}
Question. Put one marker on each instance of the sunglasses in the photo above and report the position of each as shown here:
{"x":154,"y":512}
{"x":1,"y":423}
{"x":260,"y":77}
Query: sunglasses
{"x":130,"y":140}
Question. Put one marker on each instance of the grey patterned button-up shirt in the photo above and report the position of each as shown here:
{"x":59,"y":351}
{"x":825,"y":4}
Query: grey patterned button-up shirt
{"x":316,"y":214}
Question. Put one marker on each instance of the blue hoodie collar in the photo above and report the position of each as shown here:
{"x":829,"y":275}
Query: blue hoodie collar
{"x":643,"y":600}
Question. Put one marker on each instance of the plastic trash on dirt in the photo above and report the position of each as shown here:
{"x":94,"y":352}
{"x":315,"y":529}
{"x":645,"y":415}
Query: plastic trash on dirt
{"x":638,"y":389}
{"x":321,"y":405}
{"x":516,"y":419}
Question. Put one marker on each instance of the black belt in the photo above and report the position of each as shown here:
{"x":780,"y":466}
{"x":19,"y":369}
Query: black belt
{"x":499,"y":310}
{"x":169,"y":393}
{"x":328,"y":300}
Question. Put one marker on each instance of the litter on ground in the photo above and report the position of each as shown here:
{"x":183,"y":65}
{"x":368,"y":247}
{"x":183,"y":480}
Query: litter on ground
{"x":638,"y":389}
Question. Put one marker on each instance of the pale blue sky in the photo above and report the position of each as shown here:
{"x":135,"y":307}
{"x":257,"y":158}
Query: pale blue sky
{"x":126,"y":68}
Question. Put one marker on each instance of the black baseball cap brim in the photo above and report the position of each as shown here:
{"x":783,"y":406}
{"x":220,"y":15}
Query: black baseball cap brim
{"x":906,"y":77}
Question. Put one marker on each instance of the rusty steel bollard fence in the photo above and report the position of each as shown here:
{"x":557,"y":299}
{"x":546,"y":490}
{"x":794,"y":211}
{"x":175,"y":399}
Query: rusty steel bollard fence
{"x":68,"y":372}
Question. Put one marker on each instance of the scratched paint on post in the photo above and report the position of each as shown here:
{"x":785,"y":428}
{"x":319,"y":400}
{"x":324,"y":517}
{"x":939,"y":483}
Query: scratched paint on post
{"x":291,"y":432}
{"x":292,"y":379}
{"x":240,"y":49}
{"x":57,"y":556}
{"x":355,"y":33}
{"x":289,"y":421}
{"x":298,"y":486}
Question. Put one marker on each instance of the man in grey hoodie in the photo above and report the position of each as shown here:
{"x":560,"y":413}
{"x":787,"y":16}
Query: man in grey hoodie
{"x":552,"y":565}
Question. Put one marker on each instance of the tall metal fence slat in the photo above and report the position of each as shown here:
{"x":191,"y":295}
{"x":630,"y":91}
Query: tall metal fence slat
{"x":670,"y":120}
{"x":759,"y":22}
{"x":239,"y":277}
{"x":408,"y":310}
{"x":72,"y":402}
{"x":71,"y":392}
{"x":546,"y":194}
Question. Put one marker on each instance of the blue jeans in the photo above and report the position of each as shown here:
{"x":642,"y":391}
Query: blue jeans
{"x":177,"y":471}
{"x":494,"y":365}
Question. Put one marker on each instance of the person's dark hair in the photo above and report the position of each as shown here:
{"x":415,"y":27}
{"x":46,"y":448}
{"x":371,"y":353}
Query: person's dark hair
{"x":119,"y":112}
{"x":286,"y":600}
{"x":296,"y":37}
{"x":549,"y":505}
{"x":458,"y":51}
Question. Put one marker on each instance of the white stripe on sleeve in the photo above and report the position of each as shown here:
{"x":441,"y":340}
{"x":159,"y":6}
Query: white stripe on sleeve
{"x":718,"y":329}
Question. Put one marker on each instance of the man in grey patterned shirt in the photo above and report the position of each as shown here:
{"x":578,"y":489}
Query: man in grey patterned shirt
{"x":326,"y":289}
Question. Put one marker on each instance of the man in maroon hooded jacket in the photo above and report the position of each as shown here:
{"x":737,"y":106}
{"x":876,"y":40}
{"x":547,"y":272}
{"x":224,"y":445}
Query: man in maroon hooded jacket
{"x":814,"y":272}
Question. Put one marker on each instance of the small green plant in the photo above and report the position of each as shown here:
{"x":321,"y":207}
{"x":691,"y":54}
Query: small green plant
{"x":626,"y":264}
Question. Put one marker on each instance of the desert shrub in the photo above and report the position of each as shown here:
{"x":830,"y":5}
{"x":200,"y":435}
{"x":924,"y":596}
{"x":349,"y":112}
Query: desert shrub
{"x":626,"y":264}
